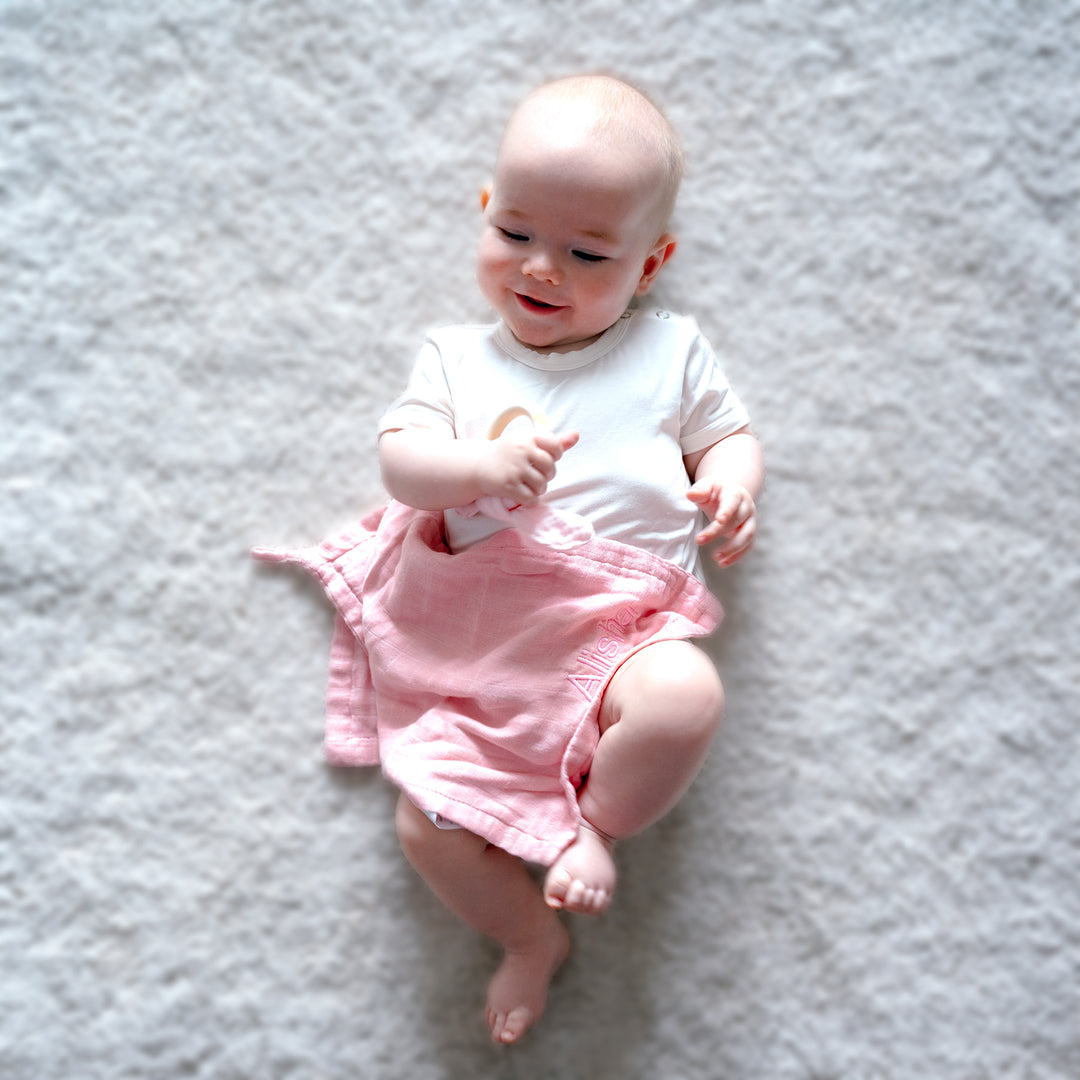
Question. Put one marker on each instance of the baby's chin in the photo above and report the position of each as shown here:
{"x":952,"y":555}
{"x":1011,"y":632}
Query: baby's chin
{"x":550,"y":342}
{"x":549,"y":345}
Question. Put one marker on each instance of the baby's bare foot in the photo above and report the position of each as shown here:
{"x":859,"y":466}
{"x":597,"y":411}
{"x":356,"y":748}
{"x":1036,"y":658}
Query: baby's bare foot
{"x":582,"y":878}
{"x":518,"y":990}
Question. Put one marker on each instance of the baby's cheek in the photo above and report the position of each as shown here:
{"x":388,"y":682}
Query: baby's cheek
{"x":491,"y":253}
{"x":602,"y":301}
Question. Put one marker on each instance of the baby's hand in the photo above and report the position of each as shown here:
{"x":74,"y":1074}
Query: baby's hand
{"x":732,"y":517}
{"x":519,"y":465}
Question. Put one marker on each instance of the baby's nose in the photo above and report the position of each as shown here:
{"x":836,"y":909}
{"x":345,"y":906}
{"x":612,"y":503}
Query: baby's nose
{"x":542,"y":266}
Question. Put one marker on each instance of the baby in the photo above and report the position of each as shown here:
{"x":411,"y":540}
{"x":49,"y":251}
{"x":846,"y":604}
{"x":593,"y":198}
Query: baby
{"x":644,"y":436}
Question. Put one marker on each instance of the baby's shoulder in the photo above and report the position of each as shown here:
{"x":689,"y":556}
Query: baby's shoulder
{"x":656,"y":331}
{"x":461,"y":335}
{"x":661,"y":322}
{"x":460,"y":343}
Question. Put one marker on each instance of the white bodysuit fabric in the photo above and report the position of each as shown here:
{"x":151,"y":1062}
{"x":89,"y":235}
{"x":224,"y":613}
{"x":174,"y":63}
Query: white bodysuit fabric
{"x":647,"y":392}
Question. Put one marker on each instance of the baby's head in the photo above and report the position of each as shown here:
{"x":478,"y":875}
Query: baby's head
{"x":575,"y":222}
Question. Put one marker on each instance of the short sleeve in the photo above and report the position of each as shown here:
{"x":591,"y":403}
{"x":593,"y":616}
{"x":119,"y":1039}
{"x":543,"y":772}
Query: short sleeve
{"x":427,"y":401}
{"x":710,"y":408}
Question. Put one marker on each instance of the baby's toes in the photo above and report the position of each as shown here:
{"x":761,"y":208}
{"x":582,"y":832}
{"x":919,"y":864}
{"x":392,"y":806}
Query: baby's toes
{"x":557,"y":886}
{"x":577,"y":896}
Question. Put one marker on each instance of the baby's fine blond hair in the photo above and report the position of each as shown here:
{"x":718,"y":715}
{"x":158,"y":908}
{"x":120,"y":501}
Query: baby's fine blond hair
{"x":614,"y":111}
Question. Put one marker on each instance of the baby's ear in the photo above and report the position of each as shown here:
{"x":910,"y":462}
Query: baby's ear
{"x":485,"y":196}
{"x":662,"y":250}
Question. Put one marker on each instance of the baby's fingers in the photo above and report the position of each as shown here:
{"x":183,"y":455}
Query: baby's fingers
{"x":555,"y":445}
{"x":720,"y":507}
{"x":712,"y":531}
{"x":735,"y":546}
{"x":542,"y":453}
{"x":733,"y":523}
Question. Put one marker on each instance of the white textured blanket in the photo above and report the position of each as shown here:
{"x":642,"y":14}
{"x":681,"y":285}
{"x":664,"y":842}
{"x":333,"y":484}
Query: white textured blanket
{"x":224,"y":227}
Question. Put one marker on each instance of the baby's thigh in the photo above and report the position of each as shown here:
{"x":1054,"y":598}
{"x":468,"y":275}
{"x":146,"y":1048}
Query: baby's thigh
{"x":423,"y":841}
{"x":671,"y":683}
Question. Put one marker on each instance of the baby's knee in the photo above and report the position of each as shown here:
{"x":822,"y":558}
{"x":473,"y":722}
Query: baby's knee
{"x":681,"y":688}
{"x":696,"y":688}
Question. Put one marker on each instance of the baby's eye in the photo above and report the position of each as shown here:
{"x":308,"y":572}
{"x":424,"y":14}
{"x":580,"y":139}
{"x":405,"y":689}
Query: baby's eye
{"x":513,"y":235}
{"x":588,"y":256}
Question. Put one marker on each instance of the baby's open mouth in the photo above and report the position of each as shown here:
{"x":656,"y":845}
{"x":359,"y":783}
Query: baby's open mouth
{"x":532,"y":304}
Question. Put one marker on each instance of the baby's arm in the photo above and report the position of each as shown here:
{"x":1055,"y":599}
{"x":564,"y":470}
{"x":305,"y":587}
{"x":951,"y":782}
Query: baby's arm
{"x":431,"y":470}
{"x":728,"y":478}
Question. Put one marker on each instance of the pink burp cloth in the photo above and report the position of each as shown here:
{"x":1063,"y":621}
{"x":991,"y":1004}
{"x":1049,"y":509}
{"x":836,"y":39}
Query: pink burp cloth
{"x":475,"y":678}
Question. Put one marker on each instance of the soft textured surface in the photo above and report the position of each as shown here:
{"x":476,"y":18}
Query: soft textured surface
{"x":223,"y":229}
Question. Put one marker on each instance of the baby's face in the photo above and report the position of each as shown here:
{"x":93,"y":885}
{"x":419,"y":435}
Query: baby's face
{"x":569,"y":236}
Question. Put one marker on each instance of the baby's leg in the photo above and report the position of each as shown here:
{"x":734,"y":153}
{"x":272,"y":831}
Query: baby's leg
{"x":659,"y":714}
{"x":494,"y":893}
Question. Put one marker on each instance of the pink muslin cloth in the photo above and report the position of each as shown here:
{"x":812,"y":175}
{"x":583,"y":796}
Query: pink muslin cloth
{"x":475,"y":679}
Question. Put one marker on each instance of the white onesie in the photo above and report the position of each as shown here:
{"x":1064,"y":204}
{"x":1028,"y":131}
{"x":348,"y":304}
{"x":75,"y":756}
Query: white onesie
{"x":646,"y":393}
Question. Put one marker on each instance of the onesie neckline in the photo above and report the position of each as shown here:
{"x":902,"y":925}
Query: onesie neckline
{"x":569,"y":361}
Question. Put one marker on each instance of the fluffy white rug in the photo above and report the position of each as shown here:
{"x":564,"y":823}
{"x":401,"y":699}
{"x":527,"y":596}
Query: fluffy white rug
{"x":223,"y":230}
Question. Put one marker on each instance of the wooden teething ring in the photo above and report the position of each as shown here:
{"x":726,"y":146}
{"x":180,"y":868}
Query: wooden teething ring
{"x":508,"y":416}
